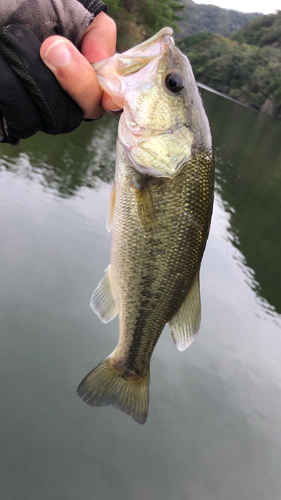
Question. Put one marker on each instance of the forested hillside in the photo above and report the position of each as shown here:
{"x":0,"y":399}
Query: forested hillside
{"x":246,"y":66}
{"x":137,"y":20}
{"x":201,"y":18}
{"x":265,"y":30}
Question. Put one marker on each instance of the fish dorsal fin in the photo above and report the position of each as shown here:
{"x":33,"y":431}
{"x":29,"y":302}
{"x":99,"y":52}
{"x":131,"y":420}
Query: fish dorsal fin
{"x":102,"y":301}
{"x":111,"y":207}
{"x":146,"y":210}
{"x":185,"y":324}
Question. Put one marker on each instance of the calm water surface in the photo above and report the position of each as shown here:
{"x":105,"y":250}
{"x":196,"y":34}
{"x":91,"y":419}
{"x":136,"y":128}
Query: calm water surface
{"x":213,"y":431}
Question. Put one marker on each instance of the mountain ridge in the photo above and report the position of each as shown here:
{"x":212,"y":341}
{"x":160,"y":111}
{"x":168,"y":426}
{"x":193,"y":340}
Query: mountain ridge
{"x":200,"y":18}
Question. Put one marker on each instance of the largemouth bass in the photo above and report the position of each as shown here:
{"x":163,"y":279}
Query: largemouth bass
{"x":160,"y":212}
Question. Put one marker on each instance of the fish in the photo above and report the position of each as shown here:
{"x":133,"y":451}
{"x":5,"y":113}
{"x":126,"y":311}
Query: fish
{"x":160,"y":213}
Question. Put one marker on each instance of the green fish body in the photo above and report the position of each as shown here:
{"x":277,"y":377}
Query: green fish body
{"x":160,"y":213}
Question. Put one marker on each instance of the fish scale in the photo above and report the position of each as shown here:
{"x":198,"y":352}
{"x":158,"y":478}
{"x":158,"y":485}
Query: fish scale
{"x":179,"y":247}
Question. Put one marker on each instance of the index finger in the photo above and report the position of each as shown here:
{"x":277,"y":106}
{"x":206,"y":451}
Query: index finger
{"x":99,"y":43}
{"x":99,"y":40}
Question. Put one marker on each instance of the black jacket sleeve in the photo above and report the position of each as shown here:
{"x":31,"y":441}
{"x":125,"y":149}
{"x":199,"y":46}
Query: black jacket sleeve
{"x":30,"y":97}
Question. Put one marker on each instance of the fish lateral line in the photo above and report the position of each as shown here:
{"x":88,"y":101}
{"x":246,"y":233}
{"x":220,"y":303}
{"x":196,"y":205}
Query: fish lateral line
{"x":194,"y":221}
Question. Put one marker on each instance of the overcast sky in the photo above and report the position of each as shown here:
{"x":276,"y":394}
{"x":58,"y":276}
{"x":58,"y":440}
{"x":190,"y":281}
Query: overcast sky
{"x":264,"y":6}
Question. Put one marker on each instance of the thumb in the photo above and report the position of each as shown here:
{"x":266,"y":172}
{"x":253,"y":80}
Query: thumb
{"x":74,"y":73}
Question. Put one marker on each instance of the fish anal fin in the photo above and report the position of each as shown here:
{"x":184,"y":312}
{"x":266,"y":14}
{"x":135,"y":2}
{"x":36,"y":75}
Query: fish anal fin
{"x":185,"y":324}
{"x":102,"y":301}
{"x":111,"y":207}
{"x":106,"y":385}
{"x":146,"y":210}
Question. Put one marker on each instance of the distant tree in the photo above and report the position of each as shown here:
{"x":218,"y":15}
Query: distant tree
{"x":249,"y":72}
{"x":137,"y":20}
{"x":265,"y":30}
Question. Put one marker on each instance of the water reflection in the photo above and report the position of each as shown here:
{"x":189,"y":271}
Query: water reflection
{"x":248,"y":178}
{"x":66,"y":162}
{"x":214,"y":424}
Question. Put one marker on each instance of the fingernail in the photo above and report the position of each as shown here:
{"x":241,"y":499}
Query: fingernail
{"x":117,"y":112}
{"x":57,"y":55}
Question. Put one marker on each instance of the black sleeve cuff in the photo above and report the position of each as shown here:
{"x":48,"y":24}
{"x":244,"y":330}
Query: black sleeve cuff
{"x":30,"y":97}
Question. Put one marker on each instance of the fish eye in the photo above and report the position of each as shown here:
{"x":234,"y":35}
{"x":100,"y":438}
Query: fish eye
{"x":174,"y":82}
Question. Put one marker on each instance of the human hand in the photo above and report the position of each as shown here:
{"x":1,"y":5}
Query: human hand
{"x":73,"y":70}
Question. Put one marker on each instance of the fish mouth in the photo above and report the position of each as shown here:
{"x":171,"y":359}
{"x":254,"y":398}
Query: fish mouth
{"x":151,"y":46}
{"x":118,"y":73}
{"x":148,"y":48}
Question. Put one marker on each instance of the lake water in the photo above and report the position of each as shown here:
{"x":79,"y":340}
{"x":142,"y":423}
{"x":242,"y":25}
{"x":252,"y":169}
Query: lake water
{"x":213,"y":431}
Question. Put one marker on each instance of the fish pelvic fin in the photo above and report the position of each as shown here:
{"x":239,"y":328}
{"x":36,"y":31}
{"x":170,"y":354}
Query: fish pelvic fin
{"x":109,"y":384}
{"x":185,"y":324}
{"x":102,"y":301}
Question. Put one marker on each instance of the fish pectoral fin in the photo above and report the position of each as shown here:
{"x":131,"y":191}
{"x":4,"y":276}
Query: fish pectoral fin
{"x":185,"y":324}
{"x":102,"y":301}
{"x":111,"y":208}
{"x":146,"y":211}
{"x":106,"y":385}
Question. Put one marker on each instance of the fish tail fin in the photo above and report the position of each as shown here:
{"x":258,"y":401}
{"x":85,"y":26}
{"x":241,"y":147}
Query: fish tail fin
{"x":110,"y":385}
